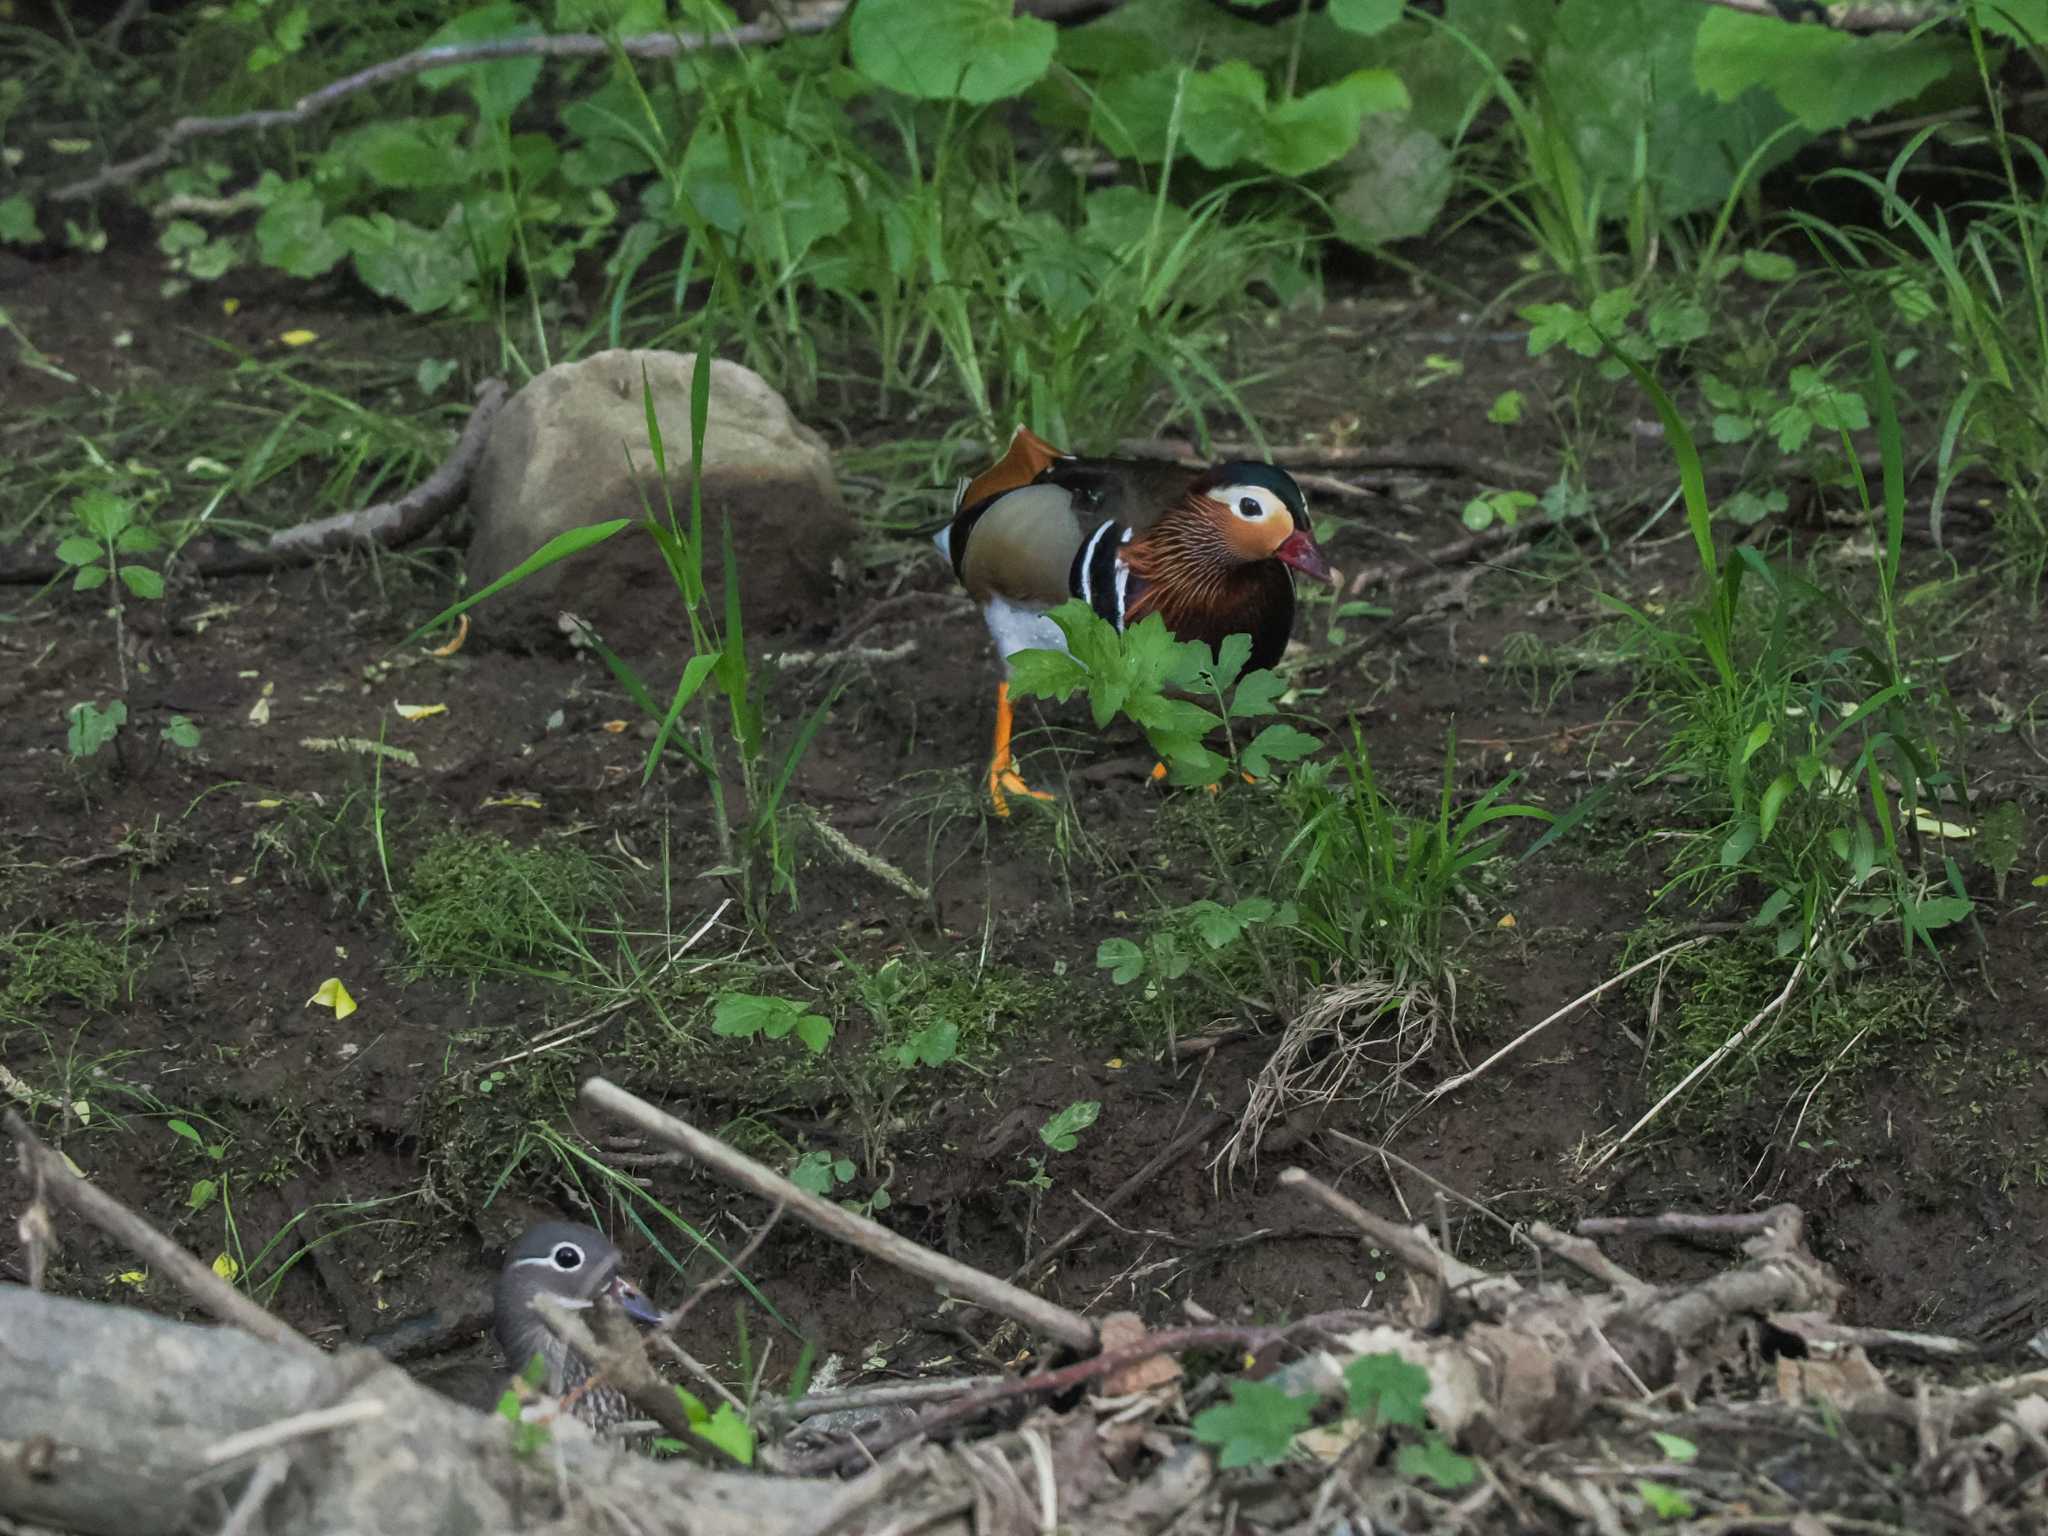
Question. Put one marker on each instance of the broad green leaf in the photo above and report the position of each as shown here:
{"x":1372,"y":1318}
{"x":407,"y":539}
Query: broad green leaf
{"x":1675,"y":1447}
{"x":933,"y":1046}
{"x":89,"y":578}
{"x":1222,"y":112}
{"x":1060,"y":1132}
{"x":18,"y":221}
{"x":1506,"y":410}
{"x":499,"y":87}
{"x":142,"y":581}
{"x":1258,"y":693}
{"x":136,"y":539}
{"x":92,"y":728}
{"x":1256,"y":1427}
{"x":1436,"y":1461}
{"x":103,"y":514}
{"x":1319,"y":128}
{"x":1217,"y":925}
{"x":1664,"y":1501}
{"x":1739,"y":843}
{"x":181,"y":732}
{"x":1386,"y":1389}
{"x":424,"y":269}
{"x":405,"y":154}
{"x":1131,"y":113}
{"x":1045,"y":675}
{"x":1636,"y":121}
{"x":1768,"y":267}
{"x":727,"y":1430}
{"x":292,"y":235}
{"x":1124,"y":961}
{"x":1773,"y":801}
{"x":79,"y":550}
{"x":1366,"y":16}
{"x":1825,"y":78}
{"x":1277,"y":743}
{"x":942,"y":50}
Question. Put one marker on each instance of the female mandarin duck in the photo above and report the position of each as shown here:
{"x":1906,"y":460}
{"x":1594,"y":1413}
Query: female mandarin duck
{"x":1213,"y":552}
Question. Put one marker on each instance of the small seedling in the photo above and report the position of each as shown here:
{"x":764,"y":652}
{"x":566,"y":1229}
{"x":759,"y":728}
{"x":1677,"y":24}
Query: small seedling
{"x":99,"y":556}
{"x":743,"y":1015}
{"x":1063,"y":1130}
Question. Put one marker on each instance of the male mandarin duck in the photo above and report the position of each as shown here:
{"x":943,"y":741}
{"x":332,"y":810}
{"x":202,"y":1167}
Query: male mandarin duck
{"x":1212,"y":551}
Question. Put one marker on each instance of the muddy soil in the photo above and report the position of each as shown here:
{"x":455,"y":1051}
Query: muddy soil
{"x":237,"y":878}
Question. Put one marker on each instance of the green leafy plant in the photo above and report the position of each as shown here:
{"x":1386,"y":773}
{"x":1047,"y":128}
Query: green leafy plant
{"x":1257,"y":1426}
{"x":745,"y":1016}
{"x":1063,"y":1131}
{"x":1140,"y":672}
{"x":1171,"y":947}
{"x":100,"y":555}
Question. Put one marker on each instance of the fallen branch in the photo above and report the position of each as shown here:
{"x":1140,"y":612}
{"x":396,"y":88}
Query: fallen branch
{"x":836,"y":1222}
{"x":387,"y":524}
{"x":1310,"y":456}
{"x":569,"y":45}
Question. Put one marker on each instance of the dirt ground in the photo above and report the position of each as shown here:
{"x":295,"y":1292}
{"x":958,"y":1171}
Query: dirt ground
{"x":241,"y":876}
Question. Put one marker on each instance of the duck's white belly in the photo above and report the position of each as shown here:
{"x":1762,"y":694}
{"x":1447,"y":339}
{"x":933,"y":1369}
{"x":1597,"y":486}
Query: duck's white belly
{"x":1015,"y":628}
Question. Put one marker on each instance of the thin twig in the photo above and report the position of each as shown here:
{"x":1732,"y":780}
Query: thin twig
{"x":1167,"y":1156}
{"x":1463,"y":1079}
{"x":265,"y":1437}
{"x":860,"y":858}
{"x":1727,"y":1047}
{"x":195,"y":1279}
{"x":1887,"y":17}
{"x":1410,"y":1245}
{"x":735,"y":1265}
{"x":270,"y":1473}
{"x":870,"y":1237}
{"x":572,"y":45}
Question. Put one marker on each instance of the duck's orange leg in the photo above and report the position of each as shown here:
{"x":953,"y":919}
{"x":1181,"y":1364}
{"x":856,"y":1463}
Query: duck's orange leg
{"x":1003,"y":778}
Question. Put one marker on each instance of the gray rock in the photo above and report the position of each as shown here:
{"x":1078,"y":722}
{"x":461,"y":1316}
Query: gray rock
{"x":571,"y":449}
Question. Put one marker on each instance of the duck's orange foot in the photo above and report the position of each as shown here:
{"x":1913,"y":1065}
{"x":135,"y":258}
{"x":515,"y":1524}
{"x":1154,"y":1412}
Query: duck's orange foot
{"x":1004,"y":781}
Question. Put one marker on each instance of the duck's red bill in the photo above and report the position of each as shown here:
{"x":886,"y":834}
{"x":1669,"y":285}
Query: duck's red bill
{"x":1307,"y":557}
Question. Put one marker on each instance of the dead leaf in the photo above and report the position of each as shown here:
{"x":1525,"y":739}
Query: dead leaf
{"x":1122,"y":1330}
{"x":333,"y":994}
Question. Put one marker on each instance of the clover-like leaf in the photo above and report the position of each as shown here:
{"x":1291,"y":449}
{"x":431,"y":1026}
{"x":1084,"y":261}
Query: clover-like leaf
{"x":1256,"y":1427}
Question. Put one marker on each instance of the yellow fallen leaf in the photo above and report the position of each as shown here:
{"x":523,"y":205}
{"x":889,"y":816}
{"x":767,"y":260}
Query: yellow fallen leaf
{"x":418,"y":711}
{"x":134,"y":1279}
{"x":616,"y":727}
{"x":229,"y":306}
{"x":299,"y":338}
{"x":1507,"y":920}
{"x":333,"y":994}
{"x":259,"y":712}
{"x":1939,"y":828}
{"x":225,"y":1266}
{"x":1115,"y":1063}
{"x":461,"y":634}
{"x":520,"y":802}
{"x":262,"y":805}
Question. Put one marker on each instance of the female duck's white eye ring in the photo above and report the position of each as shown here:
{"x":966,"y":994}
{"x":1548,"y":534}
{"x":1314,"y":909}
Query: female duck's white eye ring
{"x":567,"y":1256}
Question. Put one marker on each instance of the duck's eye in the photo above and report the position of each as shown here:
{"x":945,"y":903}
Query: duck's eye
{"x":567,"y":1256}
{"x":1248,"y":506}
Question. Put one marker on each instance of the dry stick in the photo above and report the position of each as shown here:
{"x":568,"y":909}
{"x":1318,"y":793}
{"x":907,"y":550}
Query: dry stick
{"x":197,"y":1281}
{"x":1171,"y":1153}
{"x":1465,"y":1078}
{"x":886,"y":1394}
{"x":735,"y":1265}
{"x":1413,"y":1248}
{"x":1684,"y":1224}
{"x":984,"y":1290}
{"x":573,"y":45}
{"x":1165,"y":1342}
{"x":618,"y":1360}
